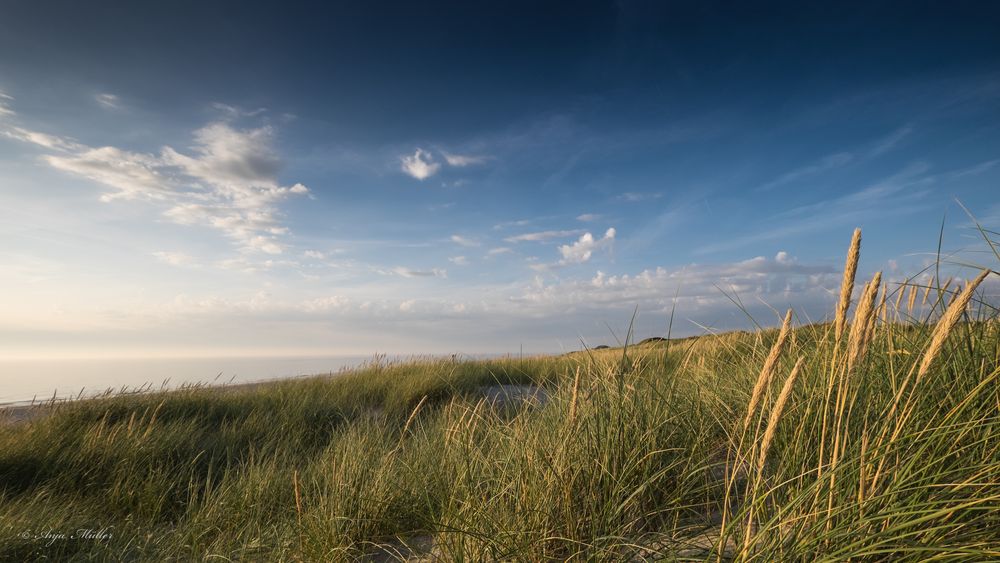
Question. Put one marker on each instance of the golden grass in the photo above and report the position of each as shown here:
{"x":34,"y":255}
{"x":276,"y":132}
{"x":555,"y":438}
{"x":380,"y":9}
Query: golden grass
{"x":779,"y":407}
{"x":947,"y":322}
{"x":864,"y":315}
{"x":767,"y":371}
{"x":847,"y":285}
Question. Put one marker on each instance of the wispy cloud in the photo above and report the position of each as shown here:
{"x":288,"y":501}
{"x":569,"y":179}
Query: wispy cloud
{"x":41,"y":139}
{"x":419,"y":165}
{"x":587,"y":217}
{"x":233,"y":112}
{"x":459,"y":160}
{"x":635,"y":197}
{"x":174,"y":258}
{"x":108,"y":101}
{"x":824,"y":164}
{"x":459,"y":260}
{"x":408,"y":273}
{"x":499,"y":250}
{"x":463,"y":241}
{"x":5,"y":110}
{"x":544,"y":235}
{"x":972,"y":170}
{"x":227,"y":182}
{"x":840,"y":159}
{"x":507,"y":224}
{"x":890,"y":141}
{"x":842,"y":210}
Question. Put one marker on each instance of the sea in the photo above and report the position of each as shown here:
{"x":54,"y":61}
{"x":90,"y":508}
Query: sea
{"x":24,"y":381}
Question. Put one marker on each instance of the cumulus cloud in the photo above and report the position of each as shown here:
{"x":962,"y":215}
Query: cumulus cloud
{"x":780,"y":280}
{"x":581,"y":250}
{"x":463,"y":241}
{"x":109,"y":101}
{"x":227,"y":181}
{"x":459,"y":160}
{"x":420,"y":165}
{"x":543,"y":236}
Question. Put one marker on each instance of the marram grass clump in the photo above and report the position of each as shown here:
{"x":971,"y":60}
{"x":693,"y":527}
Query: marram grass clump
{"x":880,"y":440}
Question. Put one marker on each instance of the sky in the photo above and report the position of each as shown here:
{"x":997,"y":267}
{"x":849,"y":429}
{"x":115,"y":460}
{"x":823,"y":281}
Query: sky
{"x":262,"y":179}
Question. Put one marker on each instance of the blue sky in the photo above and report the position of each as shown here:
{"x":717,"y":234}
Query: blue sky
{"x":194,"y":178}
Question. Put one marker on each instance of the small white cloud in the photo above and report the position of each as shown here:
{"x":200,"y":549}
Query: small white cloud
{"x":581,"y":250}
{"x":499,"y":250}
{"x":109,"y":101}
{"x":543,"y":235}
{"x":314,"y":254}
{"x":463,"y":241}
{"x":459,"y":160}
{"x":587,"y":217}
{"x":174,"y":258}
{"x":459,"y":260}
{"x":420,"y":165}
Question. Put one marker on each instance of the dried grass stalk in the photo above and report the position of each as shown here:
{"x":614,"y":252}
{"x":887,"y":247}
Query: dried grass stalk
{"x":768,"y":370}
{"x":779,"y":407}
{"x":948,"y":322}
{"x":857,"y":341}
{"x":847,"y":285}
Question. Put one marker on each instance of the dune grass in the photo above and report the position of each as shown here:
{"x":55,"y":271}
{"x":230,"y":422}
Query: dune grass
{"x":867,"y":438}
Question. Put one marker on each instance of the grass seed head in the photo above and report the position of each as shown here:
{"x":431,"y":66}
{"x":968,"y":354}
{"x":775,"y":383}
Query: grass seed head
{"x":947,"y":323}
{"x":847,"y":285}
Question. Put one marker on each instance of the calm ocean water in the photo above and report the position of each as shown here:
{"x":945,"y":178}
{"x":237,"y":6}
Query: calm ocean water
{"x":22,"y":380}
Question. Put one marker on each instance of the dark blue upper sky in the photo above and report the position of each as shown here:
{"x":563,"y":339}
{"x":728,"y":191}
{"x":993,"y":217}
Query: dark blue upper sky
{"x":489,"y":163}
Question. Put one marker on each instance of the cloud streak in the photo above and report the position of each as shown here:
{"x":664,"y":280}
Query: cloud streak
{"x":544,"y":235}
{"x":459,"y":161}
